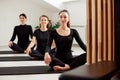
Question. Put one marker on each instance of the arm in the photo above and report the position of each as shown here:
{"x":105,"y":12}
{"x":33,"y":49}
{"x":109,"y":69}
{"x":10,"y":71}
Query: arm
{"x":47,"y":57}
{"x":32,"y":43}
{"x":14,"y":35}
{"x":49,"y":43}
{"x":31,"y":32}
{"x":13,"y":38}
{"x":78,"y":39}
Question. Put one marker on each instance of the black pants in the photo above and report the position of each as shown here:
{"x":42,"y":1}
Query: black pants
{"x":19,"y":49}
{"x":72,"y":62}
{"x":40,"y":55}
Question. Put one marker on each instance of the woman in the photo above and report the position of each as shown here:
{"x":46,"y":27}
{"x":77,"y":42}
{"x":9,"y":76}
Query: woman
{"x":23,"y":32}
{"x":63,"y":37}
{"x":40,"y":37}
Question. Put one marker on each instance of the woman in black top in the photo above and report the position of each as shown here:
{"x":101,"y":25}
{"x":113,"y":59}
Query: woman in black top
{"x":40,"y":38}
{"x":23,"y":32}
{"x":63,"y":36}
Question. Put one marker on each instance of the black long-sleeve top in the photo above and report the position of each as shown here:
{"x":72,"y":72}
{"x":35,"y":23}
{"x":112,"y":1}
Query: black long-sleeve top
{"x":64,"y":43}
{"x":23,"y":32}
{"x":42,"y":39}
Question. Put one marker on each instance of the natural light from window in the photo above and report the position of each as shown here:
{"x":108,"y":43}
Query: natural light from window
{"x":59,"y":3}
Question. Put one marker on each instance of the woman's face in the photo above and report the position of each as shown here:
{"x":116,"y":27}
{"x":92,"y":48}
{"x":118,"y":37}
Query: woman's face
{"x":63,"y":18}
{"x":22,"y":19}
{"x":44,"y":21}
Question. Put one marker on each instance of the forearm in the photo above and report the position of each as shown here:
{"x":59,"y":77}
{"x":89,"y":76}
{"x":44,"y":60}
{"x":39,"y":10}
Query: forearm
{"x":31,"y":45}
{"x":79,"y":40}
{"x":48,"y":47}
{"x":13,"y":38}
{"x":13,"y":35}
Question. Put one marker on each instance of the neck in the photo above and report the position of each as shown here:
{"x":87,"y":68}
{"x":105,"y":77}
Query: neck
{"x":64,"y":27}
{"x":43,"y":28}
{"x":22,"y":23}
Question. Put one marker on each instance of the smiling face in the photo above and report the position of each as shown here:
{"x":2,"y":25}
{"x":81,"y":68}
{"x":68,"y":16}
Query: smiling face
{"x":63,"y":18}
{"x":44,"y":21}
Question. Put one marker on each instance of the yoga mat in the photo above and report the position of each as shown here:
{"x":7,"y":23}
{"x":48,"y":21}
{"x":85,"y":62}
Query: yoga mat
{"x":26,"y":70}
{"x":9,"y":52}
{"x":17,"y":58}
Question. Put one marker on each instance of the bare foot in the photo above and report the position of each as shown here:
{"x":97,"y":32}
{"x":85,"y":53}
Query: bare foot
{"x":59,"y":68}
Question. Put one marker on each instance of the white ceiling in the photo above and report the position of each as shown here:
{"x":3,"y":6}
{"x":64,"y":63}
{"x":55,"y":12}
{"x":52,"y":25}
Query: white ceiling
{"x":46,"y":5}
{"x":53,"y":5}
{"x":68,"y":0}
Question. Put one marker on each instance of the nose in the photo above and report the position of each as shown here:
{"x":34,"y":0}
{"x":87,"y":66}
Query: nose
{"x":62,"y":19}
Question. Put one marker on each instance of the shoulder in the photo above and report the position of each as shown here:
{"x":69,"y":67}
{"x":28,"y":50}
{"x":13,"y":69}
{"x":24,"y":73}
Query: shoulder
{"x":17,"y":26}
{"x":53,"y":30}
{"x":73,"y":30}
{"x":29,"y":26}
{"x":37,"y":30}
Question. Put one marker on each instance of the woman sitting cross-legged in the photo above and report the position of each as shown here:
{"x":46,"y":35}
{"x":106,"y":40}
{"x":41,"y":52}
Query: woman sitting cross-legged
{"x":63,"y":37}
{"x":40,"y":38}
{"x":23,"y":32}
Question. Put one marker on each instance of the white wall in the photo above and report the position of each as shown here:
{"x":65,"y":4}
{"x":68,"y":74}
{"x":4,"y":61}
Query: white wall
{"x":77,"y":10}
{"x":10,"y":10}
{"x":9,"y":16}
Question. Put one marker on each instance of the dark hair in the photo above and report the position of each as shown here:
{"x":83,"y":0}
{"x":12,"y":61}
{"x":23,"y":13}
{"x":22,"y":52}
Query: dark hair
{"x":48,"y":25}
{"x":24,"y":15}
{"x":64,"y":10}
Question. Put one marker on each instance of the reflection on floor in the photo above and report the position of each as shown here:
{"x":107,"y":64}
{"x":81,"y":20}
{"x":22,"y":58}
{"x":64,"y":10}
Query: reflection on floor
{"x":76,"y":51}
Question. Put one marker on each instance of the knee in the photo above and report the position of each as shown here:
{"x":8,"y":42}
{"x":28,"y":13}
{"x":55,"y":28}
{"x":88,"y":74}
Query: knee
{"x":83,"y":58}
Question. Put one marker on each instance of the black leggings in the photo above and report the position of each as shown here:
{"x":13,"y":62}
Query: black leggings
{"x":72,"y":62}
{"x":16,"y":47}
{"x":39,"y":55}
{"x":19,"y":49}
